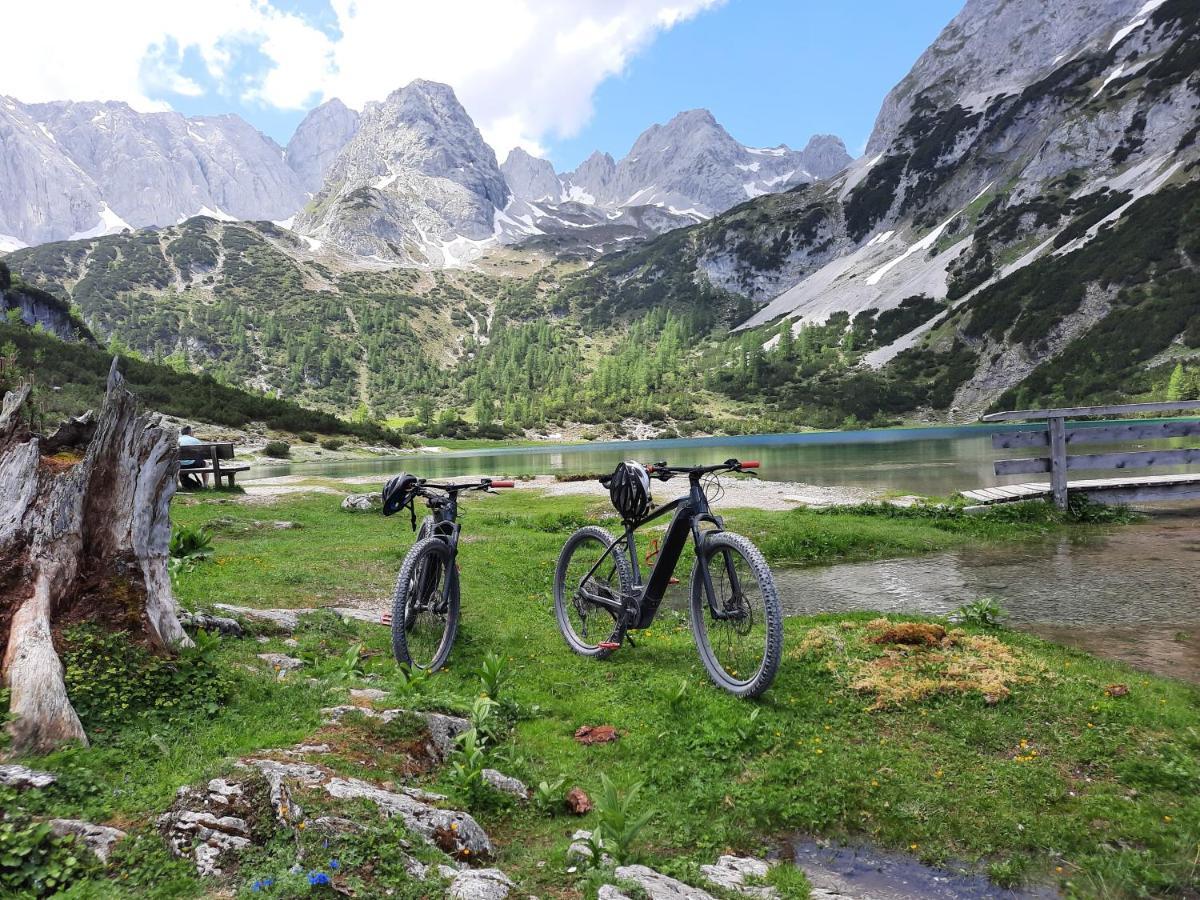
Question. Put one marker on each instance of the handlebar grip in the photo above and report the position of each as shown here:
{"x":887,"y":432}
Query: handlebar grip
{"x":749,"y":464}
{"x":496,"y":484}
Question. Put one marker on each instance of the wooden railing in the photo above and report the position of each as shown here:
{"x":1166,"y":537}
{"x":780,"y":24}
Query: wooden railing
{"x":1058,"y":437}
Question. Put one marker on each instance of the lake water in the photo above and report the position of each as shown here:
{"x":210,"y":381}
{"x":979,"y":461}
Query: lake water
{"x":910,"y":460}
{"x":1132,"y":594}
{"x":928,"y":461}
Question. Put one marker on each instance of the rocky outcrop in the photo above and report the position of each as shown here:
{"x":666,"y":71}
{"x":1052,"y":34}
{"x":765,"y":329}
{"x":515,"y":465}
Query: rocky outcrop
{"x":100,"y":839}
{"x":318,"y":140}
{"x":480,"y":884}
{"x":416,"y":183}
{"x":23,"y":777}
{"x":40,"y":309}
{"x":82,"y":169}
{"x":962,"y":66}
{"x":530,"y":178}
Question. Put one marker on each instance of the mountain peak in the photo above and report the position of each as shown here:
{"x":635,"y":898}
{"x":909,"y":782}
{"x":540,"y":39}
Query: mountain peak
{"x":318,"y":140}
{"x":531,"y":178}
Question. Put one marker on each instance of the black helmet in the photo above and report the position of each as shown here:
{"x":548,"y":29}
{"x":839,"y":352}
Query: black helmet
{"x":629,"y":489}
{"x":399,"y":492}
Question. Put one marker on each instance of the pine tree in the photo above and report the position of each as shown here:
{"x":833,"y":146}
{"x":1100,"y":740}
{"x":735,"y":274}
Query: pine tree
{"x":1175,"y":385}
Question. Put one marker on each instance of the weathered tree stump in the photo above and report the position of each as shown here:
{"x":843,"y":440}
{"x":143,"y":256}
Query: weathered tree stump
{"x":83,"y":536}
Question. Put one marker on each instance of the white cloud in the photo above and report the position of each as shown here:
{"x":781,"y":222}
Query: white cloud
{"x":526,"y":70}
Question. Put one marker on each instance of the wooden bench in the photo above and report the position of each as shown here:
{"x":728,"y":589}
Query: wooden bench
{"x":1057,"y":438}
{"x":211,"y":457}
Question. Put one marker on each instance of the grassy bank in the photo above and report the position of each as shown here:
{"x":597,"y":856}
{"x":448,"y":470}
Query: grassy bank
{"x":1028,"y":760}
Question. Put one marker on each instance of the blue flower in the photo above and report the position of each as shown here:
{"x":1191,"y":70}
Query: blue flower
{"x":262,"y":884}
{"x":334,"y":864}
{"x":317,"y":878}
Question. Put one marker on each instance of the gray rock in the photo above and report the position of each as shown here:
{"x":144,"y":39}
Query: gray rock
{"x":443,"y":730}
{"x":660,"y":887}
{"x":361,"y":502}
{"x":506,"y":784}
{"x":530,"y":178}
{"x":207,"y":823}
{"x":73,"y":168}
{"x":732,"y":872}
{"x":580,"y":851}
{"x":317,"y":141}
{"x":215,"y":624}
{"x":284,"y":619}
{"x":452,"y":826}
{"x":281,"y":663}
{"x":608,"y":892}
{"x":415,"y":177}
{"x":100,"y":839}
{"x":22,"y":777}
{"x":480,"y":884}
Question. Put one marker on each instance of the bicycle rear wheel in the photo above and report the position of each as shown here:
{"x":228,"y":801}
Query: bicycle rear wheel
{"x":425,"y":606}
{"x":742,"y":644}
{"x":585,"y":624}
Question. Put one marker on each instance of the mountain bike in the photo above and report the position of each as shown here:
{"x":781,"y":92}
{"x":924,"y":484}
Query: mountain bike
{"x":425,"y":604}
{"x":735,"y":615}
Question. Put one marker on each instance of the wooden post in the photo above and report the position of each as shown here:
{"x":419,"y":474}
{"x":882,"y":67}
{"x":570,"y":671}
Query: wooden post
{"x":1058,"y":461}
{"x":216,"y":461}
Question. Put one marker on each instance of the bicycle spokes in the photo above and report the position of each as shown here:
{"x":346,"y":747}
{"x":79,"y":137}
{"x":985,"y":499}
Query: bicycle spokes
{"x":736,"y":615}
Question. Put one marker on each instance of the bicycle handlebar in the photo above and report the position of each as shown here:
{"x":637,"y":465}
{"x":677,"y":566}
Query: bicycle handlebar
{"x":482,"y":484}
{"x":662,"y":471}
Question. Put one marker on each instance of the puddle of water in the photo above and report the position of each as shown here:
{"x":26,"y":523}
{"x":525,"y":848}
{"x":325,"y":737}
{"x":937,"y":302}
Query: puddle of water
{"x":1130,"y":594}
{"x":872,"y":874}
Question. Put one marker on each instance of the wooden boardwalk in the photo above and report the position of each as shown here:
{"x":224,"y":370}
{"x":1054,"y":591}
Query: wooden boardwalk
{"x":1103,"y":490}
{"x":1057,"y":438}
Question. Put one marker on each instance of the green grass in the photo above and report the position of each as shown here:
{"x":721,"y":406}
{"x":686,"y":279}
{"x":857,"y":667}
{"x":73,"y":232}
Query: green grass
{"x":1108,"y":806}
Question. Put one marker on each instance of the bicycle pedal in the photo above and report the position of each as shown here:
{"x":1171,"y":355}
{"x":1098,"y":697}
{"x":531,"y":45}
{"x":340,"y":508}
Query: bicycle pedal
{"x":608,"y":645}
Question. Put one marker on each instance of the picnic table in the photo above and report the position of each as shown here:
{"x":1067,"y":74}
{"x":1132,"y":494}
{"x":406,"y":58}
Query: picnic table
{"x":212,"y":458}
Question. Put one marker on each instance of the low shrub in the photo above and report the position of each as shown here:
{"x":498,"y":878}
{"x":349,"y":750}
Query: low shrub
{"x":332,"y":444}
{"x":277,"y":449}
{"x":112,"y":679}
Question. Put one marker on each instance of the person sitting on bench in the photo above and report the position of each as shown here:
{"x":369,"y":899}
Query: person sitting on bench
{"x":189,"y":479}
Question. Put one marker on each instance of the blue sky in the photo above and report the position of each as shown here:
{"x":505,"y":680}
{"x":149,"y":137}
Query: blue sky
{"x":559,"y":77}
{"x":771,"y":71}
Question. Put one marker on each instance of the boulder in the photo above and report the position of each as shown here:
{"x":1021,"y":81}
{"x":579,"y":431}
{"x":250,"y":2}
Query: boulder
{"x":659,"y":886}
{"x":506,"y":784}
{"x":281,"y":663}
{"x":283,"y":619}
{"x":221,"y":625}
{"x":455,"y":832}
{"x":361,"y":502}
{"x":732,"y":872}
{"x":210,"y":824}
{"x":22,"y":777}
{"x":480,"y":884}
{"x":97,"y":838}
{"x":608,"y":892}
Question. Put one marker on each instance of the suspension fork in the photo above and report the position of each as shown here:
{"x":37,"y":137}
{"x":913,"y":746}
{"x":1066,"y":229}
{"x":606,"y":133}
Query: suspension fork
{"x":710,"y":591}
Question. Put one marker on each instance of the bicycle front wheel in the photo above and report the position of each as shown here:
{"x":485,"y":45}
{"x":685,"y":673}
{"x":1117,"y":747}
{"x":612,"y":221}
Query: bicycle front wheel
{"x":425,"y":606}
{"x":740,"y":634}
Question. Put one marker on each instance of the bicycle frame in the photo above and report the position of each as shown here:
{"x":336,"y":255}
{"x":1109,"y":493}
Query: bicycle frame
{"x":445,"y":518}
{"x":691,"y":511}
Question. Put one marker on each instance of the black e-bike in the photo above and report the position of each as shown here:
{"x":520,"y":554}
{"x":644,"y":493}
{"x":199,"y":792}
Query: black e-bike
{"x":735,"y":614}
{"x":425,"y":608}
